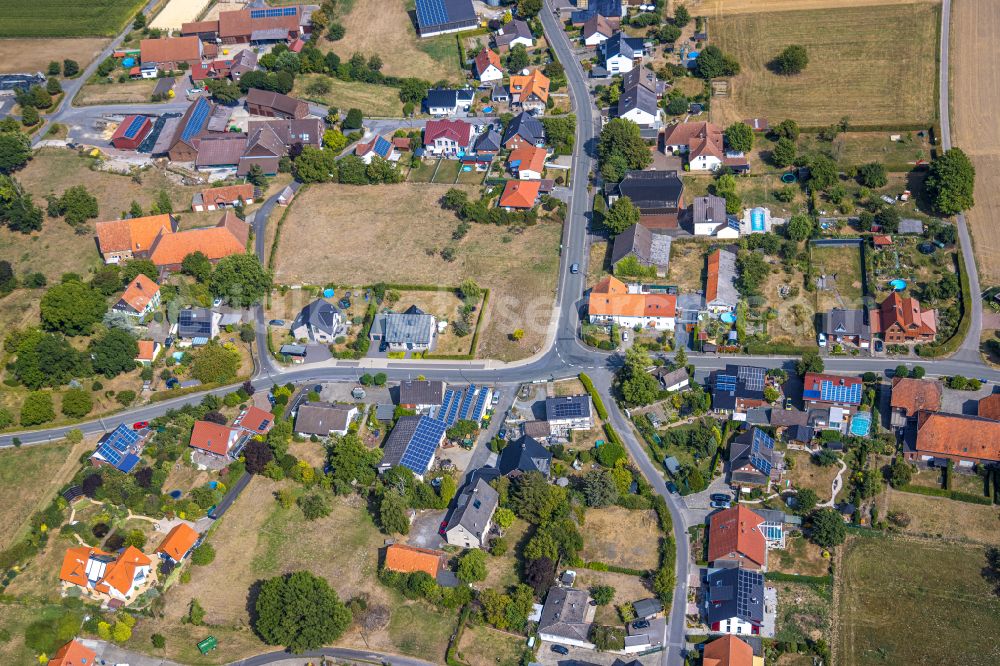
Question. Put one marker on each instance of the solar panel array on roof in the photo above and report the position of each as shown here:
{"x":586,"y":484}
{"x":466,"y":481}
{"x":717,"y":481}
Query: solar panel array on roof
{"x":197,"y":119}
{"x":565,"y":410}
{"x":115,"y":449}
{"x":432,"y":12}
{"x":382,"y":147}
{"x":477,"y":411}
{"x":134,"y":127}
{"x":746,"y":581}
{"x":725,"y":382}
{"x":273,"y":12}
{"x":752,"y":376}
{"x":466,"y":404}
{"x":423,"y":444}
{"x":761,"y":441}
{"x":761,"y":438}
{"x":463,"y":411}
{"x":834,"y":392}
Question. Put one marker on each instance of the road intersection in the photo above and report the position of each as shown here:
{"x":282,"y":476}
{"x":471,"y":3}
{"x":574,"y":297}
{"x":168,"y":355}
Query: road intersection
{"x":563,"y":355}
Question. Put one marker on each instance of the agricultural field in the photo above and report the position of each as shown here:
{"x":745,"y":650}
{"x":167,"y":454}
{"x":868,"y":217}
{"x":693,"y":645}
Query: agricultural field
{"x":842,"y":267}
{"x":65,"y":18}
{"x":34,"y":55}
{"x":621,"y":537}
{"x":130,"y":92}
{"x":178,"y":12}
{"x":255,"y":541}
{"x":367,"y":24}
{"x":894,"y":591}
{"x":715,"y":8}
{"x":375,"y":101}
{"x":975,"y":83}
{"x":941,"y":517}
{"x":518,"y":266}
{"x":873,"y":64}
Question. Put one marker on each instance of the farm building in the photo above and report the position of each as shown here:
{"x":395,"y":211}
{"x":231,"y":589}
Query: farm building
{"x":437,"y":17}
{"x":131,"y":132}
{"x":275,"y":105}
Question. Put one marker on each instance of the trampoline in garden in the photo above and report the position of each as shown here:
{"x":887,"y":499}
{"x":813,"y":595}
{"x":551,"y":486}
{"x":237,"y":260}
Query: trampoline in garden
{"x":861,"y":424}
{"x":898,"y":284}
{"x":788,"y":177}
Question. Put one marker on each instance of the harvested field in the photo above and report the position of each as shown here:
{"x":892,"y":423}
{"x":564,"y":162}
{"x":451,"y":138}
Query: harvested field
{"x":873,"y":64}
{"x":405,"y":54}
{"x":622,"y":537}
{"x":975,"y":82}
{"x":65,"y":18}
{"x":930,"y":589}
{"x":373,"y":100}
{"x":34,"y":55}
{"x":130,"y":92}
{"x":842,"y":267}
{"x":178,"y":12}
{"x":519,"y":267}
{"x":715,"y":8}
{"x":945,"y":518}
{"x":29,"y":476}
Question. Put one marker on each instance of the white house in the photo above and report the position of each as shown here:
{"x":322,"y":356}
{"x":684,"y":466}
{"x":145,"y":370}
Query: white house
{"x":448,"y":138}
{"x":566,"y":413}
{"x":141,"y":297}
{"x":322,"y":419}
{"x":596,"y":30}
{"x":621,"y":53}
{"x":471,"y":521}
{"x":614,"y":302}
{"x":638,"y":104}
{"x":735,"y":601}
{"x":487,"y":67}
{"x":107,"y":576}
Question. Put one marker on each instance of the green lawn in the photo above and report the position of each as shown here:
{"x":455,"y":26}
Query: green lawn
{"x":916,"y":602}
{"x":65,"y":18}
{"x":373,"y":100}
{"x":443,"y":48}
{"x":423,"y":172}
{"x":447,"y":172}
{"x":842,"y":267}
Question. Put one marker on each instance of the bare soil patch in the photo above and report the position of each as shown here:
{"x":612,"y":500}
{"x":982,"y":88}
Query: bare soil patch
{"x":34,"y":55}
{"x":130,"y":92}
{"x":395,"y":234}
{"x":625,"y":538}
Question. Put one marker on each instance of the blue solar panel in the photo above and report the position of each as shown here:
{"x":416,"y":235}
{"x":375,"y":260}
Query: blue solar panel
{"x":382,"y":147}
{"x":477,"y":411}
{"x":129,"y":463}
{"x":431,"y":12}
{"x":761,"y":441}
{"x":271,"y":13}
{"x":725,"y":382}
{"x":761,"y":438}
{"x":135,"y":126}
{"x":201,"y":110}
{"x":835,"y":392}
{"x":423,"y":444}
{"x":463,"y":412}
{"x":108,"y":453}
{"x":449,"y":408}
{"x":752,"y":376}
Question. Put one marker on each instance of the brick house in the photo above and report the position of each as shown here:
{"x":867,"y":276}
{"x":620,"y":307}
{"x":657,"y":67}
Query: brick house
{"x":902,"y":320}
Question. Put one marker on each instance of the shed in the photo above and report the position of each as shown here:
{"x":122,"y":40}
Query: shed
{"x":672,"y":464}
{"x":385,"y":411}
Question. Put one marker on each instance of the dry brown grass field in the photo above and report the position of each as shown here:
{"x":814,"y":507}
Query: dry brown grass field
{"x":687,"y":265}
{"x":394,"y":234}
{"x":373,"y":100}
{"x":622,"y":537}
{"x":404,"y":54}
{"x":975,"y":76}
{"x":805,"y":474}
{"x":945,"y":518}
{"x":873,"y":64}
{"x":34,"y":55}
{"x":715,"y":8}
{"x":130,"y":92}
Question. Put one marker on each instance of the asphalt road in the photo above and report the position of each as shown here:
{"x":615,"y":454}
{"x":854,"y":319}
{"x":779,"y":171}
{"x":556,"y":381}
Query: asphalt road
{"x":335,"y":653}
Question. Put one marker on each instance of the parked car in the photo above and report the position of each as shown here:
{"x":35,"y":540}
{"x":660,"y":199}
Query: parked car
{"x":443,"y":527}
{"x":640,"y":624}
{"x":788,"y":403}
{"x":496,"y":397}
{"x":139,"y":425}
{"x":878,"y":345}
{"x":624,"y":336}
{"x":217,"y":302}
{"x":720,"y":505}
{"x":574,"y":269}
{"x":276,"y":322}
{"x":720,"y":497}
{"x":559,"y":649}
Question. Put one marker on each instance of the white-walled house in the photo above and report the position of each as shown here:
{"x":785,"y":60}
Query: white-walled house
{"x":630,"y":305}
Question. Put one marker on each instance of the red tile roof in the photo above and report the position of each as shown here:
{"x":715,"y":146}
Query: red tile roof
{"x":178,"y":542}
{"x":989,"y":407}
{"x":255,"y":420}
{"x":958,"y":435}
{"x":712,"y":277}
{"x":486,"y":58}
{"x":213,"y":437}
{"x":735,"y":533}
{"x":409,"y":559}
{"x":728,"y":651}
{"x":456,"y":130}
{"x":228,"y":237}
{"x":529,"y":158}
{"x":74,"y":654}
{"x":170,"y":49}
{"x":610,"y":297}
{"x":227,"y":195}
{"x":904,"y":314}
{"x":534,"y":84}
{"x":701,"y":138}
{"x":914,"y":395}
{"x":121,"y":573}
{"x":882,"y":241}
{"x":136,"y":234}
{"x":140,"y":292}
{"x":146,"y":350}
{"x":520,"y":193}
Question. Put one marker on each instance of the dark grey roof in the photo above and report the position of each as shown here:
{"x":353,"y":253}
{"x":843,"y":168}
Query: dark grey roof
{"x":512,"y":30}
{"x":525,"y":126}
{"x":397,"y":441}
{"x":652,"y":191}
{"x":910,"y":226}
{"x":488,"y":141}
{"x":759,"y":416}
{"x":398,"y":328}
{"x":164,"y":85}
{"x":846,"y":322}
{"x":565,"y":613}
{"x":475,"y":507}
{"x":650,"y":249}
{"x":421,"y":392}
{"x":789,"y":417}
{"x":748,"y":385}
{"x":524,"y":455}
{"x":637,"y":97}
{"x":640,"y":76}
{"x":442,"y":97}
{"x":317,"y":418}
{"x":500,"y":91}
{"x":445,"y":14}
{"x":669,"y":377}
{"x":709,"y":208}
{"x":621,"y":44}
{"x":385,"y":411}
{"x":799,"y":433}
{"x":741,"y":454}
{"x":318,"y":315}
{"x":567,"y":407}
{"x":736,"y":593}
{"x":646,"y":607}
{"x":194,"y":323}
{"x":293,"y":350}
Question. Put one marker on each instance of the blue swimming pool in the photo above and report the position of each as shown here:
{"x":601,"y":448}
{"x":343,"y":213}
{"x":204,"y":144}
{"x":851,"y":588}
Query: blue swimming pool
{"x":861,"y":424}
{"x":487,"y":109}
{"x":898,"y":284}
{"x":728,"y":317}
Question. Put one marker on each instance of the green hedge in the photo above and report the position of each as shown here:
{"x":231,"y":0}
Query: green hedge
{"x":950,"y":494}
{"x":778,"y":576}
{"x":595,"y":397}
{"x":952,"y":344}
{"x":603,"y":566}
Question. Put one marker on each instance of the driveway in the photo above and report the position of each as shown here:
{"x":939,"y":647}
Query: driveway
{"x":424,"y":529}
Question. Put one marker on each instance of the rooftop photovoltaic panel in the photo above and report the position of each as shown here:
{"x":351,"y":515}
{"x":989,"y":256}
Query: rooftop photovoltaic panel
{"x":477,"y":411}
{"x":273,"y":12}
{"x":761,"y":438}
{"x":382,"y":147}
{"x":423,"y":444}
{"x":134,"y":126}
{"x":463,"y":412}
{"x":746,"y":583}
{"x":565,"y":410}
{"x":197,"y":119}
{"x":725,"y":382}
{"x":757,"y":458}
{"x":449,"y":407}
{"x":752,"y":376}
{"x":834,"y":392}
{"x":431,"y":12}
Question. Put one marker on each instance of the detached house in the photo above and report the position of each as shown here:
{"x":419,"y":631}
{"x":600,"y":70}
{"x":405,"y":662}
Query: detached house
{"x":115,"y":578}
{"x":520,"y":194}
{"x":141,"y":297}
{"x":377,"y":146}
{"x":647,"y":248}
{"x":567,"y":617}
{"x":737,"y":389}
{"x":317,"y":322}
{"x":448,"y":101}
{"x":735,"y":601}
{"x":409,"y":559}
{"x":659,"y":196}
{"x":523,"y":130}
{"x":614,"y":302}
{"x":254,"y":421}
{"x":178,"y":543}
{"x":730,"y":651}
{"x":638,"y":104}
{"x":527,"y":162}
{"x":721,"y":294}
{"x":596,"y":30}
{"x":228,"y":237}
{"x":621,"y":53}
{"x":910,"y":396}
{"x":709,"y":218}
{"x":703,"y":144}
{"x":448,"y":138}
{"x":736,"y":539}
{"x":902,"y":320}
{"x":413,"y":443}
{"x":821,"y":390}
{"x":471,"y":521}
{"x":513,"y":33}
{"x":524,"y":455}
{"x":530,"y":91}
{"x":412,"y":330}
{"x":121,"y":240}
{"x":169,"y":52}
{"x":215,"y":440}
{"x":421,"y":395}
{"x":215,"y":198}
{"x":566,"y":413}
{"x":845,"y":326}
{"x":963,"y":439}
{"x":487,"y":67}
{"x":323,"y":420}
{"x":753,"y":461}
{"x":74,"y":653}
